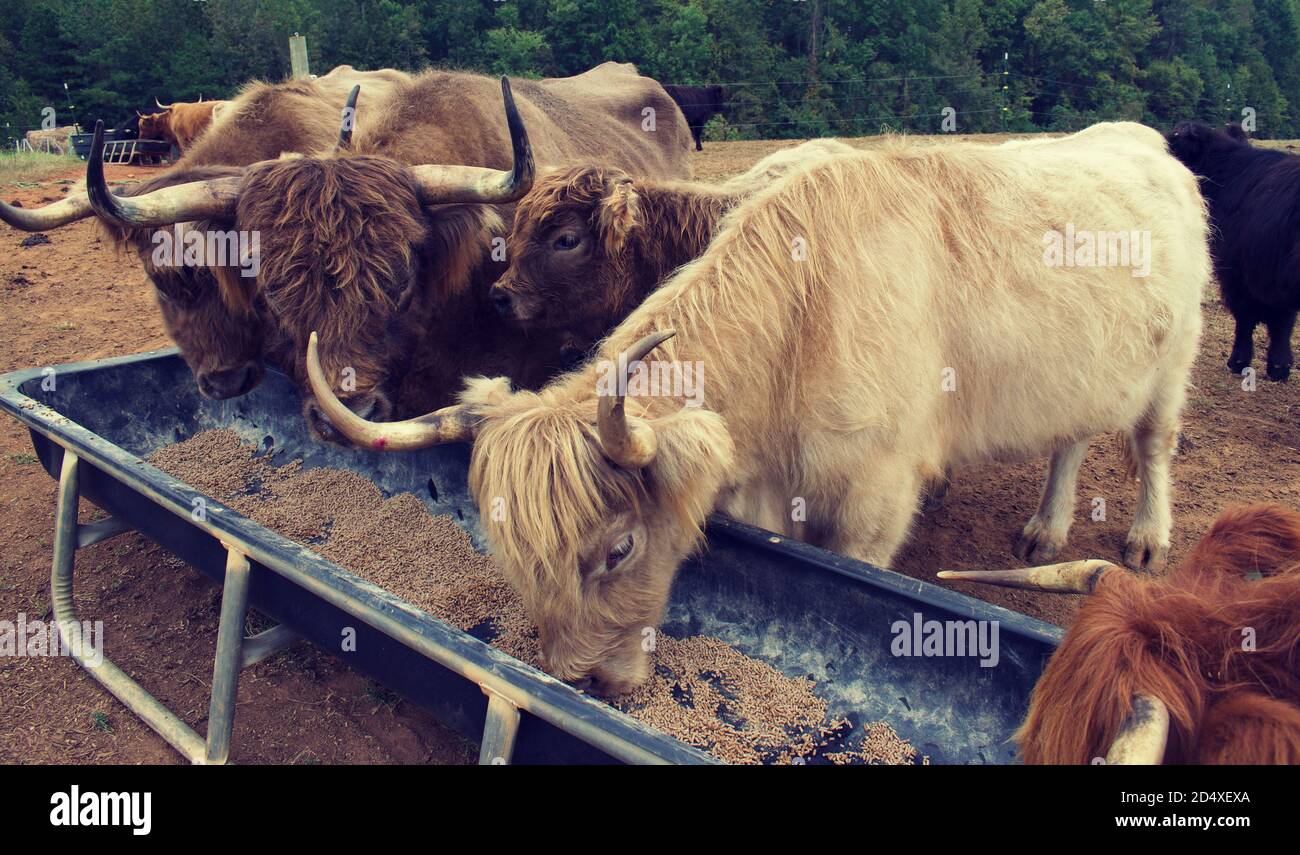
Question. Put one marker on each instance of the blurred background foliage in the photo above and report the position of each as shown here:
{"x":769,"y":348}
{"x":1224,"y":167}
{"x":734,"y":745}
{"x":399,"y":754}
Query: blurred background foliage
{"x":792,"y":68}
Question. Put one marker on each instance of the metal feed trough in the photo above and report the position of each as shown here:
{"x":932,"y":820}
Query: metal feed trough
{"x":801,"y":609}
{"x":124,"y":147}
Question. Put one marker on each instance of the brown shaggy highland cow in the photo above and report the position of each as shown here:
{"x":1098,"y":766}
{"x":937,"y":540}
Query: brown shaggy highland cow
{"x":1216,"y":642}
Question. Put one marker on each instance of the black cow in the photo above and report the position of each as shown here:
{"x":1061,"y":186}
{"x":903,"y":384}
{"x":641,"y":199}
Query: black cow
{"x":699,"y":104}
{"x":1254,"y":199}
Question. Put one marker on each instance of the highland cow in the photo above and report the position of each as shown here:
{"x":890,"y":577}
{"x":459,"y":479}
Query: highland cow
{"x":864,"y":323}
{"x":1254,"y":199}
{"x":1198,"y":666}
{"x":590,"y":243}
{"x":383,"y":235}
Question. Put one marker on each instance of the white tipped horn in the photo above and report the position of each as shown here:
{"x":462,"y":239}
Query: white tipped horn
{"x":1071,"y":577}
{"x":450,"y":424}
{"x":1143,"y":736}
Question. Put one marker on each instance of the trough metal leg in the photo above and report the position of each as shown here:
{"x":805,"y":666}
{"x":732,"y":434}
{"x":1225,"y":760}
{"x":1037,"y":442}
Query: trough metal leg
{"x":234,"y":652}
{"x":225,"y":670}
{"x":128,"y":691}
{"x":499,"y":730}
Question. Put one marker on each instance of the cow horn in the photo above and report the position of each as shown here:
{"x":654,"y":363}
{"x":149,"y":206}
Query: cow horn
{"x":198,"y":200}
{"x":75,"y":207}
{"x":349,"y":120}
{"x":629,"y":444}
{"x":162,"y":106}
{"x":1072,"y":577}
{"x":1143,"y":736}
{"x":440,"y":185}
{"x":450,"y":424}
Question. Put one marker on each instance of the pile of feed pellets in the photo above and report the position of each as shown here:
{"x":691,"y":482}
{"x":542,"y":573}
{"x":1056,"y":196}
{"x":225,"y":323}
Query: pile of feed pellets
{"x":702,"y":691}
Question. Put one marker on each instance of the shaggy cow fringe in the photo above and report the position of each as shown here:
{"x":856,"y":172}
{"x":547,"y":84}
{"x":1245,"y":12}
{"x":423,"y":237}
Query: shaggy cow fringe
{"x":1217,"y":640}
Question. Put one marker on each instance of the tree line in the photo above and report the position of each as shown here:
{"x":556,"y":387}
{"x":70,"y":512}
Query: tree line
{"x":792,"y":68}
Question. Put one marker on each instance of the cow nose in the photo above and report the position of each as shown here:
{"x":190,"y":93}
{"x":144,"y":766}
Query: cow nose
{"x":584,"y":684}
{"x":501,"y":302}
{"x":230,"y":382}
{"x":372,"y":406}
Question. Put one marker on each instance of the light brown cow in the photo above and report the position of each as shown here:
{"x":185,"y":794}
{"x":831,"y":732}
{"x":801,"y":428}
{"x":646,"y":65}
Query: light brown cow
{"x":180,"y":124}
{"x":863,"y":323}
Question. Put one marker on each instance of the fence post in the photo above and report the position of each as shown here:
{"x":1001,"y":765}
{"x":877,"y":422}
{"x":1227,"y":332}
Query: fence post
{"x":298,"y":57}
{"x":1006,"y":74}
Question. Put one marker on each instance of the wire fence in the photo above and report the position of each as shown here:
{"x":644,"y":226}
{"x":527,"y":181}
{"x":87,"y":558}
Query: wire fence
{"x":1007,"y":90}
{"x":990,"y":86}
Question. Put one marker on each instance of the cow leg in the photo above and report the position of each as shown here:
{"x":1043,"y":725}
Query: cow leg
{"x":1280,"y":358}
{"x":872,"y":521}
{"x":697,"y":131}
{"x":1147,"y":547}
{"x":1243,"y":344}
{"x":1048,"y":529}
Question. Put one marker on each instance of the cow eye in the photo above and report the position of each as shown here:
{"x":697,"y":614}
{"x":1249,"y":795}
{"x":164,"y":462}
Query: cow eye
{"x":618,"y":552}
{"x":567,"y":242}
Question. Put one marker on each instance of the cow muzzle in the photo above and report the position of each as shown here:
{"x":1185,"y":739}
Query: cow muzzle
{"x":513,"y":306}
{"x":229,"y":382}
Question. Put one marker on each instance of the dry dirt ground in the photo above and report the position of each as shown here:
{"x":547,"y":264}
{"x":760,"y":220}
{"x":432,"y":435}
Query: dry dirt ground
{"x":77,"y":298}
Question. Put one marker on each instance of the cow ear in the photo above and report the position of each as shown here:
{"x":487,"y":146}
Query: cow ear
{"x":618,"y":214}
{"x":694,"y":457}
{"x":461,"y":240}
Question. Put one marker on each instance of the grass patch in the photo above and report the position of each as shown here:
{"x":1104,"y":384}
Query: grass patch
{"x":30,"y":167}
{"x":99,"y":721}
{"x":23,"y":458}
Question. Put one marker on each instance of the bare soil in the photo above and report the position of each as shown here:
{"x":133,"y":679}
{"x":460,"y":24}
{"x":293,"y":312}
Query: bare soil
{"x":76,"y":298}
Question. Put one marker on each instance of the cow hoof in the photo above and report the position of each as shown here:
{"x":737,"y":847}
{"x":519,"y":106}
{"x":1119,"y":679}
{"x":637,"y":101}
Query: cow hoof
{"x":1036,"y":545}
{"x":1236,"y":366}
{"x":1279,"y":372}
{"x":1145,"y":557}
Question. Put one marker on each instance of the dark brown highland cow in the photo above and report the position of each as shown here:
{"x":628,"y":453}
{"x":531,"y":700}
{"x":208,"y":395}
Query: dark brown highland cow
{"x":590,"y":243}
{"x":385,"y":236}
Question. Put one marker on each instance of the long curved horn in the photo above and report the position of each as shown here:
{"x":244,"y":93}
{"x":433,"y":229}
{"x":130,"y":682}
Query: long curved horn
{"x":349,"y":120}
{"x":450,"y":424}
{"x":628,"y":444}
{"x":75,"y":207}
{"x":162,"y":106}
{"x":1072,"y":577}
{"x":199,"y":200}
{"x":447,"y":184}
{"x":1143,"y":736}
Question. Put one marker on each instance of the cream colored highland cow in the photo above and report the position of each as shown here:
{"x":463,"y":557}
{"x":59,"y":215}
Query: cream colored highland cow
{"x":862,"y":324}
